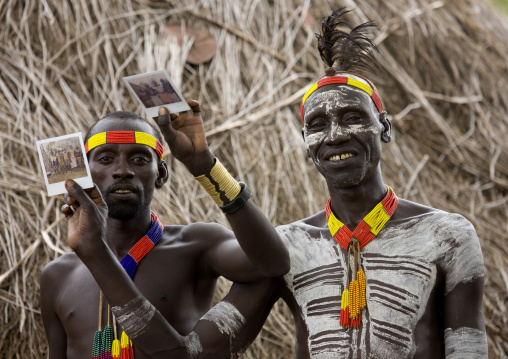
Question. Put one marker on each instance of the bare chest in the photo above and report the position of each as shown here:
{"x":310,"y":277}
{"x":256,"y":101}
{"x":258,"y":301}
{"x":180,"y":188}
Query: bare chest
{"x":398,"y":287}
{"x":177,"y":290}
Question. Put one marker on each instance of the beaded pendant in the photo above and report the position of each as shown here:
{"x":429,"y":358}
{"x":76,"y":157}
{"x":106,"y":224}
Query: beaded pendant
{"x":353,"y":298}
{"x":106,"y":344}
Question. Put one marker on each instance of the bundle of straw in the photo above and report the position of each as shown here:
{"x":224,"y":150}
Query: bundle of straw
{"x":443,"y":78}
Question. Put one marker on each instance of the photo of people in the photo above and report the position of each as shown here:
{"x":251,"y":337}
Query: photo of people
{"x":154,"y":89}
{"x":63,"y":158}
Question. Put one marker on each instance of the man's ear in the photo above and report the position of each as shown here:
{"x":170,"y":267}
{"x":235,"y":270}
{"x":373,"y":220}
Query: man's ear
{"x":386,"y":134}
{"x":162,"y":174}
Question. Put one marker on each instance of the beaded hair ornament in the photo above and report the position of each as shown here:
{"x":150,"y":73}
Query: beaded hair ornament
{"x":343,"y":51}
{"x":124,"y":137}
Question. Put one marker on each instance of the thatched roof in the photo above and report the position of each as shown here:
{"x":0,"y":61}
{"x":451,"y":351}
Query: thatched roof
{"x":443,"y":79}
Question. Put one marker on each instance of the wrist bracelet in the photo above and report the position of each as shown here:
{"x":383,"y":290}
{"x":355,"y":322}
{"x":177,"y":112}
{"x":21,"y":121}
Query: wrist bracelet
{"x":223,"y":183}
{"x":239,"y":201}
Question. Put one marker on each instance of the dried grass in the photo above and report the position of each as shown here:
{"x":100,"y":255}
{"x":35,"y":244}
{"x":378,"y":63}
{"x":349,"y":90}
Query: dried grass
{"x":444,"y":80}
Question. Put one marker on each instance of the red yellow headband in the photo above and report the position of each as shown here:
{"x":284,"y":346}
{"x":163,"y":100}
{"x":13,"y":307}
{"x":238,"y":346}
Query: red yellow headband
{"x":345,"y":79}
{"x":124,"y":137}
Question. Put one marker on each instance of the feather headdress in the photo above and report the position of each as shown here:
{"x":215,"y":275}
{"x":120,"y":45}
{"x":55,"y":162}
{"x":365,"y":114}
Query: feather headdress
{"x":346,"y":51}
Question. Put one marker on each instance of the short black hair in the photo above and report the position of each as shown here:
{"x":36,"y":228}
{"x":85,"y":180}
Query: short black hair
{"x":125,"y":115}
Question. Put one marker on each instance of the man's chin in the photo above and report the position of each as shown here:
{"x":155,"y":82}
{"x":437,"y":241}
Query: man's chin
{"x":124,"y":212}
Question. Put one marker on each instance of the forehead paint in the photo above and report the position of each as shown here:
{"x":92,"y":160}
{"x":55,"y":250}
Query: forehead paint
{"x":193,"y":345}
{"x":465,"y":343}
{"x":134,"y":316}
{"x":226,"y":317}
{"x":334,"y":98}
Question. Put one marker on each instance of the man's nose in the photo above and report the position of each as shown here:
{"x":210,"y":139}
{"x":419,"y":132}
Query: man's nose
{"x":123,"y":169}
{"x":337,"y":133}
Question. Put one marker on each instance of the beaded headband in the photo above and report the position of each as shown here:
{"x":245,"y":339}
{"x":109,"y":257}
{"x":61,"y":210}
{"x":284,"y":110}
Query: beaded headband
{"x":124,"y":137}
{"x":345,"y":79}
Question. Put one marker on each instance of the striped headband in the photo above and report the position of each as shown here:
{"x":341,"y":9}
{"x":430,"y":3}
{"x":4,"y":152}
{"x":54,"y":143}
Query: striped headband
{"x":345,"y":79}
{"x":124,"y":137}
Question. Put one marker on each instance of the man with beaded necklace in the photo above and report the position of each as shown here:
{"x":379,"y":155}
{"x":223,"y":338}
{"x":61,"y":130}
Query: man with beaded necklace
{"x":169,"y":272}
{"x":372,"y":275}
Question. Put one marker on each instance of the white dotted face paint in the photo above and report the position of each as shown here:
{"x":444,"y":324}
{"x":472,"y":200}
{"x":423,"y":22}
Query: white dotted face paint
{"x":134,"y":316}
{"x":465,"y":343}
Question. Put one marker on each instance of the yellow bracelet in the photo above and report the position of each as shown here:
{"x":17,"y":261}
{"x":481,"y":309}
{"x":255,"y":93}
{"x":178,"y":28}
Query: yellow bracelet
{"x":227,"y":184}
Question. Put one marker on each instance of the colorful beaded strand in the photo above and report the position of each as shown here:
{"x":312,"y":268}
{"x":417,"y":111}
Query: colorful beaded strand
{"x":353,"y":299}
{"x":106,"y":344}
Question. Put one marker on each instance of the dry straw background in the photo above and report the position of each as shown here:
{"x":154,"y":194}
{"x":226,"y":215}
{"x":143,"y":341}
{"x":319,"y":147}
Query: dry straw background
{"x":443,"y":77}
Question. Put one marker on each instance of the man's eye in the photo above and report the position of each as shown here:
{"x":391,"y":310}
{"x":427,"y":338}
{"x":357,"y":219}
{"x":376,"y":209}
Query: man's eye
{"x":354,"y":118}
{"x":105,"y":159}
{"x":139,"y":160}
{"x":316,"y":124}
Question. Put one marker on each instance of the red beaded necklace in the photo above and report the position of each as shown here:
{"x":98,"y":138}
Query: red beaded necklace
{"x":353,"y":298}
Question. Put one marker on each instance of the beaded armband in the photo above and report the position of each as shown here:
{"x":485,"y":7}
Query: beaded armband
{"x":223,"y":184}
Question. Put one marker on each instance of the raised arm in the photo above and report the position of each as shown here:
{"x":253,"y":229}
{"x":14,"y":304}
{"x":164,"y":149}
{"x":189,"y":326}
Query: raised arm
{"x":262,"y":253}
{"x":464,"y":326}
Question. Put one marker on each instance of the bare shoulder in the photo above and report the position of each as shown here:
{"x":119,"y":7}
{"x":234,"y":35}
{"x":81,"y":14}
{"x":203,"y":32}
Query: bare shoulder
{"x":61,"y":266}
{"x":56,"y":271}
{"x":316,"y":221}
{"x":196,"y":233}
{"x":407,"y":210}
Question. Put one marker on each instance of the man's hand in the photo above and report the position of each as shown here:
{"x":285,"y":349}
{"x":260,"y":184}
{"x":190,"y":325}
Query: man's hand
{"x":185,"y":136}
{"x":86,"y":214}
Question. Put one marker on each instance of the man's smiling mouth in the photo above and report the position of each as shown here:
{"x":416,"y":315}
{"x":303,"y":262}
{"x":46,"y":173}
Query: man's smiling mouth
{"x":341,"y":157}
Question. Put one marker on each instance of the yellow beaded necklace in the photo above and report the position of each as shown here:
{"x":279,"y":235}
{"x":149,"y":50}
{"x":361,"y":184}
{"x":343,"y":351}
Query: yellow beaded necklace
{"x":353,"y":298}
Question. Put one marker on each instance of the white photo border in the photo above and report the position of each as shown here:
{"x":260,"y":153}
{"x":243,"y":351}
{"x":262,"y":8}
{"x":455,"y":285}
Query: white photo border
{"x":154,"y":111}
{"x":59,"y":187}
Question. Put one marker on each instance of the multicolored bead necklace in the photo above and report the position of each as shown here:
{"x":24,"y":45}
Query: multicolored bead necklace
{"x":105,"y":342}
{"x":353,"y":298}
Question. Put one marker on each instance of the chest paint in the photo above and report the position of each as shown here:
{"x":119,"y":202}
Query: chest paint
{"x":400,"y":267}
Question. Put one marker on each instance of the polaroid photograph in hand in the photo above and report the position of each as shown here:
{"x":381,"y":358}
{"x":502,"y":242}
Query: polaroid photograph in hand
{"x":64,"y":158}
{"x":155,"y":89}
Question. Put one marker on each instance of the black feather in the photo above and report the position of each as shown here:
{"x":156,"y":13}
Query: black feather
{"x":346,"y":51}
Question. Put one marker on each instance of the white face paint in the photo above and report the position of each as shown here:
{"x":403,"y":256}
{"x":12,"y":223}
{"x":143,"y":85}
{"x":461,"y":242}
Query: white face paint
{"x":331,"y":101}
{"x":400,"y":267}
{"x":465,"y":343}
{"x":134,"y":316}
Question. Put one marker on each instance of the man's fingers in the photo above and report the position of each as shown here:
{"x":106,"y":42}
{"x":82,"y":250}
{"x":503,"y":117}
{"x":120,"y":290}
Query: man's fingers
{"x":96,"y":196}
{"x":164,"y":122}
{"x":194,"y":105}
{"x":67,"y":211}
{"x":76,"y":192}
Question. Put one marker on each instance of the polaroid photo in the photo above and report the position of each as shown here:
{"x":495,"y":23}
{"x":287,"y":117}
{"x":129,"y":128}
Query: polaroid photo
{"x":64,"y":158}
{"x":155,"y":89}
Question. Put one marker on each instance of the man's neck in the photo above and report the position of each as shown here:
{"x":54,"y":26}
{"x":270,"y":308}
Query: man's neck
{"x":351,"y":204}
{"x":122,"y":235}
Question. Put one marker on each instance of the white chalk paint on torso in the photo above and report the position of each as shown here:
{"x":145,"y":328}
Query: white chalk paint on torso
{"x":400,"y":267}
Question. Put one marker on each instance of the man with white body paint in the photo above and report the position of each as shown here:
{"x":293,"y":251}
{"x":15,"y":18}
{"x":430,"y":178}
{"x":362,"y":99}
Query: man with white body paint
{"x":423,"y":267}
{"x":174,"y":268}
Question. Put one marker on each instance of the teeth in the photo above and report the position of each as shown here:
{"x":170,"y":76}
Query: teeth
{"x":341,"y":157}
{"x":123,"y":191}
